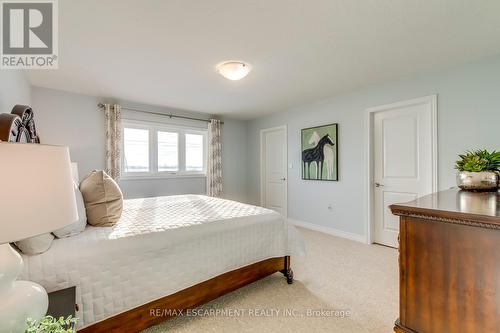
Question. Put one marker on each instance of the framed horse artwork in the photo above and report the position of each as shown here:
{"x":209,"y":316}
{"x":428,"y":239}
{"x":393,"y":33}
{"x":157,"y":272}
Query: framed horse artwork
{"x":320,"y":153}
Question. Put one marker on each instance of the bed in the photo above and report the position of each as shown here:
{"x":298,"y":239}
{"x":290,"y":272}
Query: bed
{"x":172,"y":252}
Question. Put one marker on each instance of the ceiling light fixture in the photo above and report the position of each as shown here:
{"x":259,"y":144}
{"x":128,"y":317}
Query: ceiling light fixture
{"x":233,"y":70}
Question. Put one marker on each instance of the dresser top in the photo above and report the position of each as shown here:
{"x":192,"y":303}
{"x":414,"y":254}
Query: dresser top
{"x":455,"y":205}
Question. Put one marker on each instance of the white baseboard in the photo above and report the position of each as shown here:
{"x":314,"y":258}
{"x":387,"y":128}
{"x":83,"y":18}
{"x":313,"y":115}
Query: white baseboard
{"x":329,"y":230}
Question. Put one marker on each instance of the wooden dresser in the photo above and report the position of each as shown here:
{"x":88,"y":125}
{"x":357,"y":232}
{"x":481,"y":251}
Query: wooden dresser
{"x":449,"y":263}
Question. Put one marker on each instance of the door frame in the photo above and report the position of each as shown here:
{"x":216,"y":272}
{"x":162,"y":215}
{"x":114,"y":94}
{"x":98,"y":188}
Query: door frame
{"x":369,"y":162}
{"x":263,"y":163}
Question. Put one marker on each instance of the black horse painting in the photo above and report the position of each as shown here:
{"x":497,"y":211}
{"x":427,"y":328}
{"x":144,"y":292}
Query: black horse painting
{"x":315,"y":154}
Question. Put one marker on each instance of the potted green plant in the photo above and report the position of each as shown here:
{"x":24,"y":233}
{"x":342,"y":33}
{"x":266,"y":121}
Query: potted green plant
{"x":478,"y":170}
{"x":49,"y":324}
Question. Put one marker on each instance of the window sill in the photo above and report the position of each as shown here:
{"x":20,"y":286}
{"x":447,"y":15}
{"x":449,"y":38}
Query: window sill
{"x":166,"y":176}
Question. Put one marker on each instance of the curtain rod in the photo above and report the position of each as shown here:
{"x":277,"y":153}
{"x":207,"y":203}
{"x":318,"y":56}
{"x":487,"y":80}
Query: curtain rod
{"x":101,"y":105}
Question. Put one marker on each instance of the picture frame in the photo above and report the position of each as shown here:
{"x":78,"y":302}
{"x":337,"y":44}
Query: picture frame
{"x":319,"y":153}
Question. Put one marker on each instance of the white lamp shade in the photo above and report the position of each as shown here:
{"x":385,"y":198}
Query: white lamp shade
{"x":36,"y":190}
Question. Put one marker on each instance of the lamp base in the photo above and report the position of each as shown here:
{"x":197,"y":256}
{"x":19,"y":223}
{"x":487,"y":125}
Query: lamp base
{"x":20,"y":300}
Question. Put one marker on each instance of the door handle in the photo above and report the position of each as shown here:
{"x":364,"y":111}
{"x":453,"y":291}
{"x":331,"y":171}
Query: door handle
{"x":379,"y":185}
{"x":283,"y":179}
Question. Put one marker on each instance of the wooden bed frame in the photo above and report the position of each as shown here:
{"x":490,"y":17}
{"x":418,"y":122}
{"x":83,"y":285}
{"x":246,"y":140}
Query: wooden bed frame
{"x":152,"y":313}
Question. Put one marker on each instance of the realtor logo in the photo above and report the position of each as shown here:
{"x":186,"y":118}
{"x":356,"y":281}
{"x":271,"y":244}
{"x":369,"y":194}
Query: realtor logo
{"x":29,"y":34}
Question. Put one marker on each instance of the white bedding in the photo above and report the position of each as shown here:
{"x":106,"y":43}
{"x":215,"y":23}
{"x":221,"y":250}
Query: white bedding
{"x":160,"y":246}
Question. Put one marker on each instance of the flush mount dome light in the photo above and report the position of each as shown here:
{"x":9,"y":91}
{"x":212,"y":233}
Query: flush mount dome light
{"x":233,"y":70}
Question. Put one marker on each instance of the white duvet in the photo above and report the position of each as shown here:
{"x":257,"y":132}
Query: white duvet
{"x":160,"y":246}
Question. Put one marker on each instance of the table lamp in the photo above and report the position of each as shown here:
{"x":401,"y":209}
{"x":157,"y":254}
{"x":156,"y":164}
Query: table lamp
{"x":36,"y":196}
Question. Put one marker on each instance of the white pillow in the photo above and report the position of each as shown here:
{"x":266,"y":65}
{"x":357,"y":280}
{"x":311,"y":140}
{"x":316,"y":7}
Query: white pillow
{"x":80,"y":224}
{"x":35,"y":245}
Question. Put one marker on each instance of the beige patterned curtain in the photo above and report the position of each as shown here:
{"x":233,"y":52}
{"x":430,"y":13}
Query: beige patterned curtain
{"x":214,"y":172}
{"x":112,"y":115}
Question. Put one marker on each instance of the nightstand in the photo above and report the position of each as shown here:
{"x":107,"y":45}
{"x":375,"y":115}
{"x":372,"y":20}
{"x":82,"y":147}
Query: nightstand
{"x":62,"y":303}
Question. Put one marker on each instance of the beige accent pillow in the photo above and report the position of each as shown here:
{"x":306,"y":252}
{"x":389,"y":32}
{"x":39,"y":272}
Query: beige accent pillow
{"x":103,"y":199}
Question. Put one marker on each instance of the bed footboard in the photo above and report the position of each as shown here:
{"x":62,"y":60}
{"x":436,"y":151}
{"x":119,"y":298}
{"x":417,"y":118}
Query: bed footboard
{"x":147,"y":315}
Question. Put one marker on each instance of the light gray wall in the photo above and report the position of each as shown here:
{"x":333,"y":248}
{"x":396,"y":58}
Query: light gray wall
{"x":71,"y":120}
{"x":14,"y":89}
{"x":74,"y":120}
{"x":468,"y":117}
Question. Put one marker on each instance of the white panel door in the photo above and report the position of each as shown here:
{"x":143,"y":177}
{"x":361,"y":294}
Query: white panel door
{"x":403,"y":161}
{"x":274,"y":169}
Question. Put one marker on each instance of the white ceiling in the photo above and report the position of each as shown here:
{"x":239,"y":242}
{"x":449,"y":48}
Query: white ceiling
{"x":164,"y":52}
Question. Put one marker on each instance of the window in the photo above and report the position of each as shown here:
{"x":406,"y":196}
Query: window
{"x":157,"y":150}
{"x":168,"y":151}
{"x":194,"y":152}
{"x":136,"y":143}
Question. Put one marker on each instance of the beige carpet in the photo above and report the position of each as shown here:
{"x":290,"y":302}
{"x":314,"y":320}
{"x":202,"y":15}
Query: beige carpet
{"x":337,"y":275}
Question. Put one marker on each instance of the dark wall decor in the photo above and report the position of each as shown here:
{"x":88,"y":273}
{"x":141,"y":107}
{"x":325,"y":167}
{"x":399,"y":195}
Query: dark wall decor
{"x":320,"y":152}
{"x":19,"y":125}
